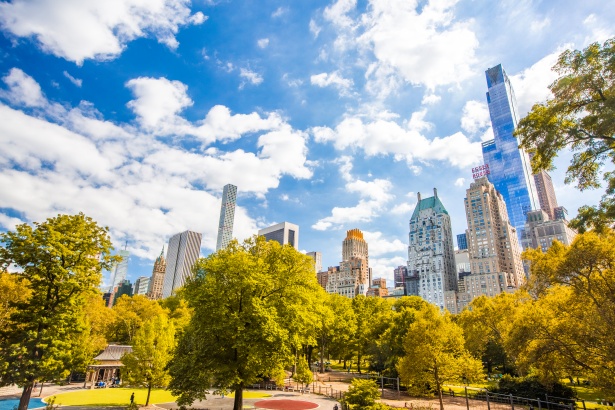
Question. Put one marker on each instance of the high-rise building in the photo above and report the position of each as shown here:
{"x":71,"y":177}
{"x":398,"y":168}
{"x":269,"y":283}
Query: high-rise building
{"x":462,"y":262}
{"x":509,"y":166}
{"x":120,"y":270}
{"x":492,"y":240}
{"x":156,"y":282}
{"x":541,"y":231}
{"x":462,"y":242}
{"x":399,"y":273}
{"x":283,"y":233}
{"x":560,"y":213}
{"x":141,"y":285}
{"x":123,"y":288}
{"x":546,"y":193}
{"x":183,"y":251}
{"x":317,"y":256}
{"x":431,"y":255}
{"x":227,"y":216}
{"x":354,"y":246}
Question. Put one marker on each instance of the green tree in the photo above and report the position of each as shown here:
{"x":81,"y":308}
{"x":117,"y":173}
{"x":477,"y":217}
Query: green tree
{"x":303,"y":374}
{"x":129,"y":314}
{"x":340,"y":329}
{"x":13,"y":289}
{"x":178,"y":311}
{"x":152,"y":350}
{"x":251,"y":302}
{"x":362,"y":395}
{"x":568,"y":328}
{"x":579,"y":116}
{"x":435,"y":354}
{"x":60,"y":261}
{"x":372,"y":319}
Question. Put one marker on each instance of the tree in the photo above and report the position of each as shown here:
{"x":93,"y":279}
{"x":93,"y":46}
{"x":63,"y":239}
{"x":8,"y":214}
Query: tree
{"x":568,"y":328}
{"x":129,"y":314}
{"x":579,"y":116}
{"x":340,"y":332}
{"x":60,"y":261}
{"x":435,"y":354}
{"x":251,"y":303}
{"x":372,"y":318}
{"x":362,"y":395}
{"x":303,"y":374}
{"x":151,"y":352}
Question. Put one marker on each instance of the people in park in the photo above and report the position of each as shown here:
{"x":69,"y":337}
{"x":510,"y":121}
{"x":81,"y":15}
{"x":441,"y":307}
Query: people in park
{"x":132,"y":398}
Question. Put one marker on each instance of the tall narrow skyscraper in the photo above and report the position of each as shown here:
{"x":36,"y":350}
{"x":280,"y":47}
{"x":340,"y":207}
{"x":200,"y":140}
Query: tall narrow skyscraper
{"x":509,"y":166}
{"x":120,"y":270}
{"x":431,"y":255}
{"x":183,"y":251}
{"x":546,"y":193}
{"x":227,"y":216}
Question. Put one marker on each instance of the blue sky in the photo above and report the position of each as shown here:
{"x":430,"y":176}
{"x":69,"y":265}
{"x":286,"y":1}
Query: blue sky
{"x":328,"y":114}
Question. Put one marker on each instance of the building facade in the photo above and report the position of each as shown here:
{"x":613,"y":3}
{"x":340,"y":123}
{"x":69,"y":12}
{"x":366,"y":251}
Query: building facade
{"x":283,"y":233}
{"x":399,"y":274}
{"x":546,"y":193}
{"x":141,"y":285}
{"x":182,"y":252}
{"x":509,"y":166}
{"x":431,"y":257}
{"x":317,"y":256}
{"x":354,"y":246}
{"x":492,"y":240}
{"x":227,"y":216}
{"x":462,"y":242}
{"x":120,"y":270}
{"x":156,"y":282}
{"x":541,"y":231}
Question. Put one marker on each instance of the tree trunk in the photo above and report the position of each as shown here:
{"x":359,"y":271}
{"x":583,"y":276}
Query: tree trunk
{"x":437,"y":377}
{"x":322,"y":354}
{"x":25,"y":397}
{"x":149,"y":389}
{"x":238,"y":404}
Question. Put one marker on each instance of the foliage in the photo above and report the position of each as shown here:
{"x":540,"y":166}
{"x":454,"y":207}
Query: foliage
{"x":50,"y":403}
{"x":14,"y":288}
{"x":338,"y":327}
{"x":372,"y":318}
{"x":531,"y":387}
{"x":178,"y":311}
{"x":60,"y":261}
{"x":303,"y":374}
{"x":92,"y":340}
{"x":568,"y":328}
{"x":129,"y":314}
{"x":252,"y":303}
{"x":151,"y":352}
{"x":580,"y":116}
{"x":362,"y":394}
{"x":435,"y":354}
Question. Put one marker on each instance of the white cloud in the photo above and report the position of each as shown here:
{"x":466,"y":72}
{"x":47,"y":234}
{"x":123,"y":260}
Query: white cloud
{"x":379,"y":246}
{"x":279,"y":12}
{"x":9,"y":223}
{"x":404,"y":142}
{"x":475,"y":117}
{"x":76,"y":81}
{"x":460,"y":182}
{"x":314,"y":28}
{"x":93,"y":29}
{"x":537,"y":26}
{"x":263,"y":42}
{"x":332,"y":79}
{"x":403,"y":209}
{"x":430,"y":99}
{"x":250,"y":76}
{"x":337,"y":13}
{"x":23,"y":89}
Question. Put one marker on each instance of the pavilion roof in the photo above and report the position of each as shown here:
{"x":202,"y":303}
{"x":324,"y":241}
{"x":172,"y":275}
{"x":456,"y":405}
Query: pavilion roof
{"x":113,"y":353}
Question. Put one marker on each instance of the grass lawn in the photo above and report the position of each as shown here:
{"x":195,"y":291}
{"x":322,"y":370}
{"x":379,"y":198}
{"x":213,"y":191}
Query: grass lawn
{"x":121,"y":397}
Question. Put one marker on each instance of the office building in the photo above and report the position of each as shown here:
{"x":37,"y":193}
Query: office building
{"x":183,"y":251}
{"x":120,"y":270}
{"x":560,"y":213}
{"x":123,"y":288}
{"x":509,"y":167}
{"x":354,"y":246}
{"x":317,"y":256}
{"x":462,"y":262}
{"x":141,"y":285}
{"x":399,"y":273}
{"x":492,"y":240}
{"x":283,"y":233}
{"x":541,"y":231}
{"x":227,"y":216}
{"x":462,"y":242}
{"x":156,"y":282}
{"x":545,"y":193}
{"x":431,"y":255}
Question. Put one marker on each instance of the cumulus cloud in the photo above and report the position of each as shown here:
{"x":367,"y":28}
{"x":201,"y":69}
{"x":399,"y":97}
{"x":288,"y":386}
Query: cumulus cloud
{"x":145,"y":189}
{"x":76,"y":81}
{"x":23,"y":89}
{"x":332,"y":79}
{"x":475,"y":117}
{"x":379,"y":246}
{"x":404,"y":142}
{"x":250,"y":76}
{"x":93,"y":29}
{"x":430,"y":99}
{"x":460,"y":182}
{"x":263,"y":42}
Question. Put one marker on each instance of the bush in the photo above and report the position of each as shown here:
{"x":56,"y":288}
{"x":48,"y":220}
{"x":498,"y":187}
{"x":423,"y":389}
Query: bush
{"x":531,"y":388}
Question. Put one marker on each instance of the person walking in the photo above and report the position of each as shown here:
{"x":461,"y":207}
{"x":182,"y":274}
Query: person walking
{"x":132,"y":398}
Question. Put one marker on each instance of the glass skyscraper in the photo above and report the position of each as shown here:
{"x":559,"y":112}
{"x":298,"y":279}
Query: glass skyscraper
{"x":227,"y":216}
{"x":509,"y":166}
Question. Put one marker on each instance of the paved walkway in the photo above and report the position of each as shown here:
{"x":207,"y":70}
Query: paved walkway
{"x":47,"y":390}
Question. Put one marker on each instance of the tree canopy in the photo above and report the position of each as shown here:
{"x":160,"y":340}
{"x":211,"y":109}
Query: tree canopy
{"x":60,"y":262}
{"x":580,"y":116}
{"x":251,"y":303}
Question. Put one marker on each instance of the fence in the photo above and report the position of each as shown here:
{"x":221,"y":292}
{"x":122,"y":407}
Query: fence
{"x":479,"y":399}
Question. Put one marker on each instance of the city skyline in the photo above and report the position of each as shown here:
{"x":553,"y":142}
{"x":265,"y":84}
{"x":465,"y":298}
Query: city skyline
{"x":317,"y":119}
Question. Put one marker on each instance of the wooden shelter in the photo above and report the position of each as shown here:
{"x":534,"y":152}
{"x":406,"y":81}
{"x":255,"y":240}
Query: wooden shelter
{"x":107,"y":366}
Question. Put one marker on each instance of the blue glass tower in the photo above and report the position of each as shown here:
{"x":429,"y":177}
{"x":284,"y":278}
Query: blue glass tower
{"x":510,"y":171}
{"x":462,"y":241}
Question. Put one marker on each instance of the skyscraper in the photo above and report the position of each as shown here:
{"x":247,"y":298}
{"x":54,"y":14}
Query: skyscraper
{"x":227,"y":216}
{"x":354,"y":246}
{"x":431,"y":255}
{"x":156,"y":282}
{"x":541,"y":231}
{"x":183,"y":251}
{"x":546,"y":193}
{"x":121,"y":269}
{"x":317,"y":256}
{"x":492,"y":240}
{"x":509,"y":166}
{"x":141,"y":285}
{"x":462,"y":242}
{"x":282,"y":233}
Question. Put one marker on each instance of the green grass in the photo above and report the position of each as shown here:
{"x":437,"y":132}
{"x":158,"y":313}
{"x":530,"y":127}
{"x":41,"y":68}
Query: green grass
{"x":121,"y":397}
